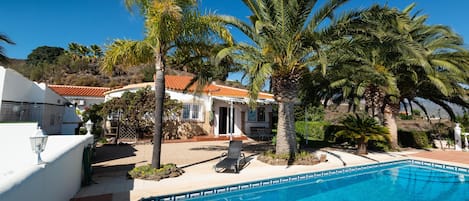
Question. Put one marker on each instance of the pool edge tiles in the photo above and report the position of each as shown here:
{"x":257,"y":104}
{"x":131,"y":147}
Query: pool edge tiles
{"x":440,"y":166}
{"x":302,"y":177}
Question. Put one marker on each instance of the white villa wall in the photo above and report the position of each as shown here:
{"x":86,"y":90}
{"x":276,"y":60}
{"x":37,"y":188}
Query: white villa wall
{"x":36,"y":102}
{"x":210,"y":103}
{"x":89,"y":101}
{"x":176,"y":95}
{"x":2,"y":80}
{"x":70,"y":120}
{"x":265,"y":124}
{"x":238,"y":119}
{"x":191,"y":98}
{"x":18,"y":88}
{"x":22,"y":179}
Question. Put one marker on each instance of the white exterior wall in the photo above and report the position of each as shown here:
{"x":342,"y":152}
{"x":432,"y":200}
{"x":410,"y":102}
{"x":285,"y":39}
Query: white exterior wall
{"x":237,"y":117}
{"x":265,"y":124}
{"x":22,"y":179}
{"x":210,"y":103}
{"x":45,"y":105}
{"x":2,"y":80}
{"x":202,"y":99}
{"x":70,"y":120}
{"x":89,"y":101}
{"x":239,"y":108}
{"x":18,"y":88}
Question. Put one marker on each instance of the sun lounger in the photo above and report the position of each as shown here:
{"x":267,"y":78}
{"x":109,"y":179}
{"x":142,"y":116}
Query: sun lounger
{"x":233,"y":159}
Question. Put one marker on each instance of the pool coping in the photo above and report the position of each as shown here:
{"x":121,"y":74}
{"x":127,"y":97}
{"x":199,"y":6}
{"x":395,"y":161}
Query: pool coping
{"x":300,"y":177}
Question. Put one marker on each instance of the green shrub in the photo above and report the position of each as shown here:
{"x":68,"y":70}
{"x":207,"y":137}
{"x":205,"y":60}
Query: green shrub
{"x":314,"y":129}
{"x":405,"y":117}
{"x":147,"y":172}
{"x":298,"y":156}
{"x":82,"y":131}
{"x":416,"y":139}
{"x":379,"y":146}
{"x":416,"y":113}
{"x":329,"y":134}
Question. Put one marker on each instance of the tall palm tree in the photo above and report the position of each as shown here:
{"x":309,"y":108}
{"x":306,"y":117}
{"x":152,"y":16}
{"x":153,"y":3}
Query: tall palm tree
{"x":168,"y":23}
{"x":287,"y":40}
{"x":4,"y":38}
{"x":449,"y":61}
{"x":362,"y":61}
{"x":415,"y":60}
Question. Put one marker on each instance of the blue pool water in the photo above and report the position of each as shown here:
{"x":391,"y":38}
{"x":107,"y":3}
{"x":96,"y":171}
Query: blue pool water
{"x":400,"y":181}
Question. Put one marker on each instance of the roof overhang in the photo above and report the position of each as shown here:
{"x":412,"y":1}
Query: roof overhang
{"x":243,"y":100}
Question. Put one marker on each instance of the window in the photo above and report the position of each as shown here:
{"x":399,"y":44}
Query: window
{"x":195,"y":112}
{"x":260,"y":114}
{"x":256,"y":115}
{"x":191,"y":112}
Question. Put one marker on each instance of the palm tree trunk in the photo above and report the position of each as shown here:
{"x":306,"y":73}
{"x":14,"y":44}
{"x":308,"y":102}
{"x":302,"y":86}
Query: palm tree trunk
{"x":285,"y":88}
{"x":286,"y":137}
{"x":362,"y":147}
{"x":159,"y":98}
{"x":390,"y":122}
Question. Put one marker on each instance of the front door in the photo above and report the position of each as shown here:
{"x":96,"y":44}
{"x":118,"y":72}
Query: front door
{"x":222,"y":120}
{"x":225,"y":121}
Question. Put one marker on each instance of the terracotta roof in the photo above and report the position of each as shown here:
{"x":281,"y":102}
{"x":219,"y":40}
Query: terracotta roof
{"x":68,"y":90}
{"x":175,"y":82}
{"x":178,"y":83}
{"x":235,"y":92}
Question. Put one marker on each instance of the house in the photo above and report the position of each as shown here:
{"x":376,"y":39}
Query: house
{"x":22,"y":100}
{"x":218,"y":110}
{"x":81,"y":96}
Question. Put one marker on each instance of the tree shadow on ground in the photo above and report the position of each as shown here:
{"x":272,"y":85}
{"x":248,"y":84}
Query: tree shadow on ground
{"x":109,"y":152}
{"x":253,"y":148}
{"x":114,"y":170}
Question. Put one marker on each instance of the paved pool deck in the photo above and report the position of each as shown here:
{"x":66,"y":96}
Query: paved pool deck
{"x":198,"y":158}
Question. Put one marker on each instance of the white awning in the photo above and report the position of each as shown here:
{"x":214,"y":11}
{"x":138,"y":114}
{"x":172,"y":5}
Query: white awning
{"x":243,"y":100}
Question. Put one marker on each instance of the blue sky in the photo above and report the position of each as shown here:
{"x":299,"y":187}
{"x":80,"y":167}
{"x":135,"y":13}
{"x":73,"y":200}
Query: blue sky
{"x":34,"y":23}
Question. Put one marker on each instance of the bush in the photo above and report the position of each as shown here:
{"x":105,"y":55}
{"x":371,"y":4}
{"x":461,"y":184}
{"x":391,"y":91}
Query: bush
{"x":301,"y":158}
{"x":416,"y":113}
{"x":314,"y":129}
{"x":405,"y":117}
{"x":416,"y":139}
{"x":149,"y":173}
{"x":379,"y":146}
{"x":329,"y":134}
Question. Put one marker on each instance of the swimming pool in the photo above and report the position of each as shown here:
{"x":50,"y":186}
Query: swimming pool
{"x":398,"y":180}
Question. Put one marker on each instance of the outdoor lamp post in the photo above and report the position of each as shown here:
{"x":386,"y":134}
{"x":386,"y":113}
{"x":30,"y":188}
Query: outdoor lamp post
{"x":38,"y":144}
{"x":89,"y":126}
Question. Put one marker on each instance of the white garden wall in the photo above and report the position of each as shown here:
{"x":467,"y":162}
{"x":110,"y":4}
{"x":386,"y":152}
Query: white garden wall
{"x":22,"y":179}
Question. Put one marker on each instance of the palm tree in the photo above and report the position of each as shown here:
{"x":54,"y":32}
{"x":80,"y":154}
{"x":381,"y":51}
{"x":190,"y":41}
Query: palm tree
{"x":363,"y":63}
{"x":5,"y":39}
{"x":396,"y":57}
{"x":167,"y":23}
{"x":96,"y":51}
{"x":440,"y":84}
{"x":287,"y":40}
{"x":362,"y":129}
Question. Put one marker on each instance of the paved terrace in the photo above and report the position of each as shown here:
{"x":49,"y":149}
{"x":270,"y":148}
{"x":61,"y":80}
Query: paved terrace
{"x":198,"y":158}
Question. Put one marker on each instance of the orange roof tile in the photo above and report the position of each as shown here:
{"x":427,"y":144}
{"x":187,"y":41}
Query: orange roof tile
{"x":239,"y":93}
{"x":179,"y":83}
{"x":68,"y":90}
{"x":175,"y":82}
